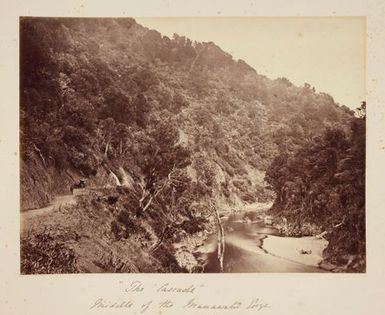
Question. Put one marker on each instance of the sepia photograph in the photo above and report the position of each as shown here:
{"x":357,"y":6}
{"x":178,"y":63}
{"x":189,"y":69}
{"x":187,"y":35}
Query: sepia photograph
{"x":192,"y":145}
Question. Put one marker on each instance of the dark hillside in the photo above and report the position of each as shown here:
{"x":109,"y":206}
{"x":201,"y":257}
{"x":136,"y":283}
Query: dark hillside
{"x":323,"y":183}
{"x":92,"y":89}
{"x":181,"y":124}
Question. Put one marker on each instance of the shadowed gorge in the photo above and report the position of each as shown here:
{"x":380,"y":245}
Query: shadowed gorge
{"x":153,"y":135}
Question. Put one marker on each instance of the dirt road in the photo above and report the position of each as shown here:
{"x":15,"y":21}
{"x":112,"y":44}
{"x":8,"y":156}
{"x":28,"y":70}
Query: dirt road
{"x":56,"y":203}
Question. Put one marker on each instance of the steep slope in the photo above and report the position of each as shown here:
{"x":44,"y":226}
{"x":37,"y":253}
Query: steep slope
{"x":184,"y":125}
{"x":91,"y":89}
{"x":323,"y":185}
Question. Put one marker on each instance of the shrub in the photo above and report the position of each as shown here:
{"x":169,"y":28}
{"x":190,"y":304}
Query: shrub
{"x":194,"y":225}
{"x":167,"y":260}
{"x":46,"y":253}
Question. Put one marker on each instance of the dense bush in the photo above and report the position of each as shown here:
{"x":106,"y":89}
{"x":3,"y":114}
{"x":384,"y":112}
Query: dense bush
{"x":106,"y":86}
{"x":323,"y":182}
{"x":47,"y":253}
{"x":194,"y":225}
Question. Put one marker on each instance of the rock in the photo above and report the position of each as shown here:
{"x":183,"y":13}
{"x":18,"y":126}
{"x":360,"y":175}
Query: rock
{"x":327,"y":266}
{"x":305,"y":252}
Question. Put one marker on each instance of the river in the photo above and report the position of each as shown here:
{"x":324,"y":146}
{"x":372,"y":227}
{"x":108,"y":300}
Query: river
{"x":243,"y":250}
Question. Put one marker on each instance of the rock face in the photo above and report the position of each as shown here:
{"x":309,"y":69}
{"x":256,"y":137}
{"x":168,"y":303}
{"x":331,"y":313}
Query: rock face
{"x":291,"y":229}
{"x":184,"y":250}
{"x":39,"y":183}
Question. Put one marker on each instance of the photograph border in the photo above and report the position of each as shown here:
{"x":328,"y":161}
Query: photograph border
{"x":283,"y":293}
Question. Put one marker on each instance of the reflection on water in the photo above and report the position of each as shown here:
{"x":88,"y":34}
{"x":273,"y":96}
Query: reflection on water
{"x":243,"y":252}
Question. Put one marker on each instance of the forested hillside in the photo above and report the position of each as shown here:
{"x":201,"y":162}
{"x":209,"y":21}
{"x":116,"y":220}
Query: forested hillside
{"x":180,"y":123}
{"x":323,"y":183}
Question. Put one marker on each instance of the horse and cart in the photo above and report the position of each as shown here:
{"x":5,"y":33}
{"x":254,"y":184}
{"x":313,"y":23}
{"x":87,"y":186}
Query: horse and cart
{"x":80,"y":184}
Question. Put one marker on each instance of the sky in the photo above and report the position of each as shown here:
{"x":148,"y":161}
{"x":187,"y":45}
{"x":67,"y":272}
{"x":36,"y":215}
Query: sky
{"x":326,"y":52}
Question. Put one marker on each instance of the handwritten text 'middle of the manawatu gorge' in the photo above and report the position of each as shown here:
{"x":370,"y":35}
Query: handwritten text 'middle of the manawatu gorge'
{"x":193,"y":304}
{"x":166,"y":296}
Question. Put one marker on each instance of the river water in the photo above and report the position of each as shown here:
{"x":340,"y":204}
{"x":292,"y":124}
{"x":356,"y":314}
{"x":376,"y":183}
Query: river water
{"x":243,"y":249}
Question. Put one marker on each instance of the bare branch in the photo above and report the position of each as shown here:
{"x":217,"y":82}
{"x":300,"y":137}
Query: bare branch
{"x":166,"y":182}
{"x":39,"y":152}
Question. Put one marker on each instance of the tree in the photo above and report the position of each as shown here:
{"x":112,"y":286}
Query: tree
{"x":160,"y":159}
{"x":105,"y":134}
{"x":361,"y":111}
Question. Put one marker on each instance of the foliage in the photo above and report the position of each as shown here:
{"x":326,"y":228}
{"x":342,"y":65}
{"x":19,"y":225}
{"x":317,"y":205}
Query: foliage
{"x":185,"y":120}
{"x":194,"y":225}
{"x":47,"y":253}
{"x":323,"y":182}
{"x":106,"y":85}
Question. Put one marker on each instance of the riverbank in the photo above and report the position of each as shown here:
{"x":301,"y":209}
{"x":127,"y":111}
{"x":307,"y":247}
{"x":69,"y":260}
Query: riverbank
{"x":191,"y":252}
{"x":302,"y":244}
{"x":308,"y":243}
{"x":187,"y":247}
{"x":244,"y":250}
{"x":304,"y":250}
